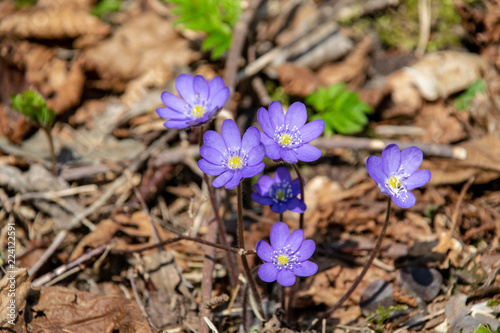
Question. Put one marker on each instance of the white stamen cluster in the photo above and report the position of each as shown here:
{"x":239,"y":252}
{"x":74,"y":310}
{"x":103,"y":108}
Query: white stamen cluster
{"x":197,"y":109}
{"x":288,"y":138}
{"x":284,"y":259}
{"x":235,"y":158}
{"x":281,"y":192}
{"x":395,"y":183}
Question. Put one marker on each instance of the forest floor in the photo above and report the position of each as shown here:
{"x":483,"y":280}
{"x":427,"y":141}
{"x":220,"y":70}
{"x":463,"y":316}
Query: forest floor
{"x":73,"y":240}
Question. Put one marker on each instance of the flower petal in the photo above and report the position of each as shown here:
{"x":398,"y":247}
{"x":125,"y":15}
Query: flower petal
{"x":265,"y":122}
{"x":252,"y":170}
{"x":266,"y":201}
{"x":276,"y":115}
{"x":306,"y":268}
{"x":273,"y":151}
{"x":264,"y":251}
{"x":231,"y":134}
{"x":294,"y":241}
{"x":173,"y":101}
{"x":178,"y":124}
{"x":219,"y":99}
{"x":256,"y":155}
{"x":264,"y":184}
{"x":200,"y":87}
{"x":296,"y":205}
{"x":286,"y":278}
{"x":184,"y":86}
{"x":278,"y":207}
{"x":288,"y":155}
{"x":210,"y":168}
{"x":214,"y":140}
{"x":312,"y":130}
{"x":417,"y":179}
{"x":282,"y":175}
{"x":296,"y":115}
{"x":391,"y":159}
{"x":222,"y":179}
{"x":235,"y":181}
{"x":212,"y":155}
{"x":215,"y":85}
{"x":308,"y":153}
{"x":168,"y":113}
{"x":375,"y":169}
{"x":404,"y":200}
{"x":268,"y":272}
{"x":411,"y":159}
{"x":306,"y":250}
{"x":251,"y":138}
{"x":278,"y":235}
{"x":266,"y":140}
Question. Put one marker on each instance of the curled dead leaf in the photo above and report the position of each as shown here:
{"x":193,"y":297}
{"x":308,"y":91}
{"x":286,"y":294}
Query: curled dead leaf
{"x":53,"y":23}
{"x":80,"y":311}
{"x":14,"y":288}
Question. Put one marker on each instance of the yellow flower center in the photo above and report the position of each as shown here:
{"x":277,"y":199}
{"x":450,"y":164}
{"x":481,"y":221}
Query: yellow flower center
{"x":198,"y":111}
{"x":394,"y":182}
{"x":283,"y":259}
{"x":285,"y":140}
{"x":234,"y":162}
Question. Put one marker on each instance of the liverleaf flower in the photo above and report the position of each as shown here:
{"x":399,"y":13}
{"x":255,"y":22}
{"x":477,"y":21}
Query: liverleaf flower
{"x":201,"y":100}
{"x":286,"y":135}
{"x":396,"y":173}
{"x":280,"y":193}
{"x":286,"y":257}
{"x":229,"y":156}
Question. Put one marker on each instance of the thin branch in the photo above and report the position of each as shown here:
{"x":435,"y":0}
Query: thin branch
{"x":360,"y":277}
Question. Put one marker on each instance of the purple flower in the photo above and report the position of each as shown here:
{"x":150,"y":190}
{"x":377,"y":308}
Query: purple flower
{"x":280,"y":193}
{"x":286,"y":257}
{"x":285,"y":135}
{"x":229,"y":156}
{"x":396,"y":173}
{"x":201,"y":100}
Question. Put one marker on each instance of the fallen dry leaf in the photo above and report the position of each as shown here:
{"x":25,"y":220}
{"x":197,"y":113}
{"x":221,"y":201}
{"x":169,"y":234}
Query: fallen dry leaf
{"x":437,"y":75}
{"x":352,"y":69}
{"x":14,"y":288}
{"x":80,"y":311}
{"x":150,"y":57}
{"x":53,"y":23}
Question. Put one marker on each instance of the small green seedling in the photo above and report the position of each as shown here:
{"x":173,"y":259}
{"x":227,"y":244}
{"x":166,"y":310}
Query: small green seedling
{"x":341,"y":109}
{"x":218,"y":25}
{"x":463,"y":101}
{"x":33,"y":106}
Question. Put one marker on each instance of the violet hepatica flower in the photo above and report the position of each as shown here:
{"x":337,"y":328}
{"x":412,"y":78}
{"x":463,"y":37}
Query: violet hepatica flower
{"x":286,"y":257}
{"x":396,"y":173}
{"x":201,"y":100}
{"x":280,"y":193}
{"x":286,"y":135}
{"x":229,"y":156}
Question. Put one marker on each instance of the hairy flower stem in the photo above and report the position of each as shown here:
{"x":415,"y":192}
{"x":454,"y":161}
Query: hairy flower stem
{"x":47,"y":131}
{"x":281,"y":217}
{"x":295,"y":287}
{"x":241,"y":245}
{"x":360,"y":277}
{"x":233,"y":273}
{"x":301,"y":181}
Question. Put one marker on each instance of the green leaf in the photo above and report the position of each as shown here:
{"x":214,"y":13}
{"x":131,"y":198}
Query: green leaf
{"x":341,"y":109}
{"x":483,"y":328}
{"x":32,"y":105}
{"x":463,"y":101}
{"x":104,"y":7}
{"x":216,"y":18}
